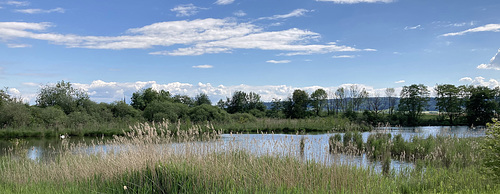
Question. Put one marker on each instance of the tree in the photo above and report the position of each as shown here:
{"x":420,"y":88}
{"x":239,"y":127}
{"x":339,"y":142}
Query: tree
{"x":62,"y":95}
{"x":238,"y":103}
{"x":414,"y":99}
{"x":480,"y":107}
{"x":357,"y":97}
{"x":183,"y":99}
{"x":300,"y":101}
{"x":375,"y":104}
{"x":449,"y":101}
{"x":340,"y":99}
{"x":142,"y":98}
{"x":491,"y":151}
{"x":201,"y":99}
{"x":390,"y":94}
{"x":318,"y":100}
{"x":276,"y":110}
{"x":254,"y":102}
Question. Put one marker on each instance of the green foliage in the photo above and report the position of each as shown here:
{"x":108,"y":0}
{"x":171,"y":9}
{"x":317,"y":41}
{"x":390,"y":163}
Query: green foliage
{"x":50,"y":117}
{"x":480,"y":107}
{"x":123,"y":110}
{"x":201,"y":99}
{"x":142,"y":98}
{"x":206,"y":112}
{"x":242,"y":102}
{"x":414,"y":99}
{"x":449,"y":100}
{"x":161,"y":110}
{"x":62,"y":95}
{"x":491,"y":151}
{"x":300,"y":101}
{"x":243,"y":117}
{"x":318,"y":100}
{"x":14,"y":114}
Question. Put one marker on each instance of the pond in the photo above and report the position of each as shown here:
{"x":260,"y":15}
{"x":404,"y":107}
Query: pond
{"x":315,"y":149}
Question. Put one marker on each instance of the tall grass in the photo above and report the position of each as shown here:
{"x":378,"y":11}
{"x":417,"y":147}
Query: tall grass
{"x":153,"y":159}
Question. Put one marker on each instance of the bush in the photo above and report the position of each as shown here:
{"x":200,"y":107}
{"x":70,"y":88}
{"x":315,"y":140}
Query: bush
{"x":14,"y":114}
{"x":491,"y":150}
{"x":243,"y":117}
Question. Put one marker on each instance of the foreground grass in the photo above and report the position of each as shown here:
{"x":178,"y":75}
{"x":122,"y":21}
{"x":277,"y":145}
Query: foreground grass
{"x":146,"y":163}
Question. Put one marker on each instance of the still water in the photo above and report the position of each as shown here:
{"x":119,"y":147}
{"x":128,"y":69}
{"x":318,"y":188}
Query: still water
{"x":316,"y":145}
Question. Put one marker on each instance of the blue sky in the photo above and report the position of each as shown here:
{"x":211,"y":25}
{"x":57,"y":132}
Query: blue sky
{"x":114,"y":48}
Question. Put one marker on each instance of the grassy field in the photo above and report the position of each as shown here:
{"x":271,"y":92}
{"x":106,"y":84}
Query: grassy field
{"x":143,"y":164}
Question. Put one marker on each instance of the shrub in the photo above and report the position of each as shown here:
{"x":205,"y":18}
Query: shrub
{"x":491,"y":150}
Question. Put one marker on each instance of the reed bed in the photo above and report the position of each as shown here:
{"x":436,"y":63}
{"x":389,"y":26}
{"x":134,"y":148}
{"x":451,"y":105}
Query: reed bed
{"x":151,"y":158}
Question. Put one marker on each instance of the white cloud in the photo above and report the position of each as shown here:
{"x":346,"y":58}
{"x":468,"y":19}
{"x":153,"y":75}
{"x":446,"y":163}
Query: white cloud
{"x":481,"y":81}
{"x":343,"y":56}
{"x":400,"y":81}
{"x":186,"y":10}
{"x":14,"y":92}
{"x":494,"y":63}
{"x":240,"y":13}
{"x":101,"y":91}
{"x":18,"y":45}
{"x":38,"y":11}
{"x":203,"y":66}
{"x":358,"y":1}
{"x":485,"y":28}
{"x":413,"y":27}
{"x":200,"y":36}
{"x":224,"y":2}
{"x":465,"y":79}
{"x":18,"y":3}
{"x":294,"y":13}
{"x":277,"y":62}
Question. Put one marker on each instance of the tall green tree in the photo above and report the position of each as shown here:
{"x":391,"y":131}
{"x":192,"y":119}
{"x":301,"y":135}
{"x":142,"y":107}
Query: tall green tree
{"x":481,"y":106}
{"x":300,"y":102}
{"x":201,"y":99}
{"x":318,"y":100}
{"x":414,"y":99}
{"x":449,"y":101}
{"x":238,"y":103}
{"x":62,"y":95}
{"x":141,"y":99}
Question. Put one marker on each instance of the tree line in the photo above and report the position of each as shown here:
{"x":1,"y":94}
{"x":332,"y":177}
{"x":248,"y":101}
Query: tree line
{"x":61,"y":105}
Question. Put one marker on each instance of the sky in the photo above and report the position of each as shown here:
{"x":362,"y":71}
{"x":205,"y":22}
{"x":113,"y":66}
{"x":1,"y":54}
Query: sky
{"x":113,"y":48}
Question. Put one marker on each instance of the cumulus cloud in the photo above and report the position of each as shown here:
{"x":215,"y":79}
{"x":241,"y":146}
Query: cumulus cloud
{"x":485,"y":28}
{"x":101,"y":91}
{"x":203,"y":66}
{"x":343,"y":56}
{"x":201,"y":36}
{"x":186,"y":10}
{"x":39,"y":11}
{"x":224,"y":2}
{"x":280,"y":61}
{"x":494,"y":63}
{"x":358,"y":1}
{"x":400,"y":81}
{"x":240,"y":13}
{"x":481,"y":81}
{"x":294,"y":13}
